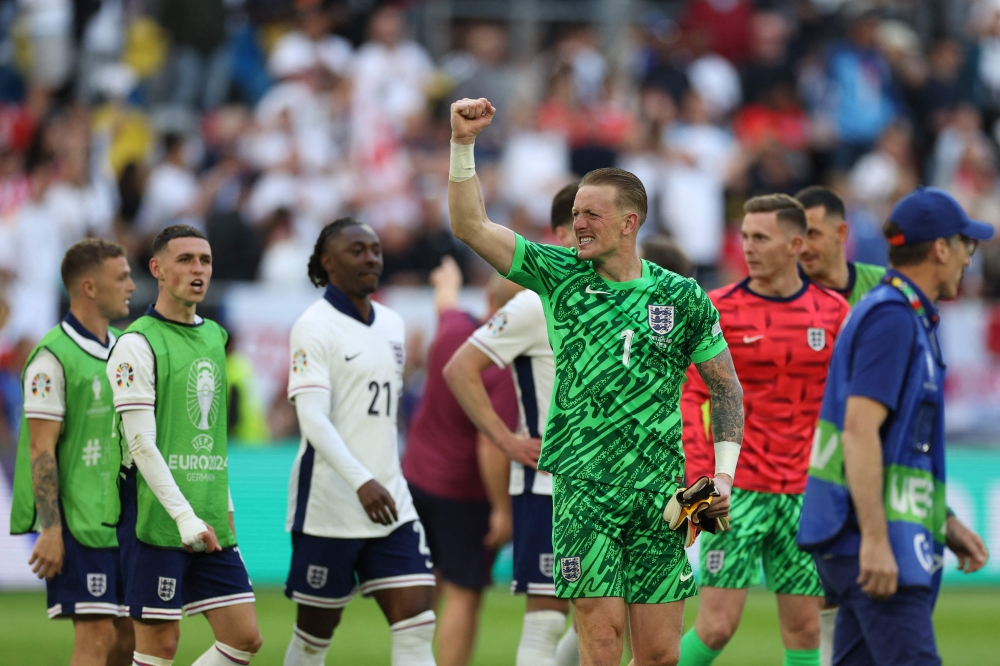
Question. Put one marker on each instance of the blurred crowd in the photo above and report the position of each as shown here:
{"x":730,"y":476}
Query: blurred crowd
{"x":259,"y":121}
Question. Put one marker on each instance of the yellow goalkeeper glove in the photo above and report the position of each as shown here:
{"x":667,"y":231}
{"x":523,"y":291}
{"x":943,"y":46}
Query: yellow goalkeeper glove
{"x":686,"y":508}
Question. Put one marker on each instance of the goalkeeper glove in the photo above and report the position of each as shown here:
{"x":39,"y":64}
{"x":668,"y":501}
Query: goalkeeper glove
{"x":686,"y":508}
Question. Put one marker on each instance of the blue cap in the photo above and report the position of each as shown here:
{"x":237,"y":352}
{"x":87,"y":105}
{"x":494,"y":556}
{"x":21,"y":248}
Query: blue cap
{"x":928,"y":213}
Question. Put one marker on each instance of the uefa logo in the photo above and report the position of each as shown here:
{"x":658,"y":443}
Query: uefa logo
{"x":204,"y":385}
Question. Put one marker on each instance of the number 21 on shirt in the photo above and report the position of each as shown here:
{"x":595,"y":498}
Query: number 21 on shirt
{"x":376,"y":390}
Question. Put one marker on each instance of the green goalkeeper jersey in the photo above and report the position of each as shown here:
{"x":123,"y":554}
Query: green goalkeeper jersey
{"x":621,"y":351}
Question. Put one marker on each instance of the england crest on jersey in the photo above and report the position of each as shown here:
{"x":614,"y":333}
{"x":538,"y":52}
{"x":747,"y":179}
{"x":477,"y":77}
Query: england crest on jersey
{"x":167,"y":588}
{"x":97,"y":584}
{"x":570,"y":569}
{"x":661,"y":318}
{"x":316,"y":576}
{"x":816,"y":337}
{"x":398,"y":352}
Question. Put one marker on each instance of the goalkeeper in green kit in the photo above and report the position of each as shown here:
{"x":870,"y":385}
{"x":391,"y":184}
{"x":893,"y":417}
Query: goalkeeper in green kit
{"x":174,"y":518}
{"x":65,"y":461}
{"x":623,"y":332}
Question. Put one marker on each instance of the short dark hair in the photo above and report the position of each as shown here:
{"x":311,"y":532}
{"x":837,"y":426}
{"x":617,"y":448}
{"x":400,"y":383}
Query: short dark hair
{"x":817,"y":195}
{"x":787,"y":209}
{"x":175,"y":231}
{"x":630,"y":192}
{"x":85,"y":255}
{"x":562,"y":206}
{"x":317,"y":274}
{"x":665,"y":253}
{"x":905,"y":255}
{"x":171,"y":141}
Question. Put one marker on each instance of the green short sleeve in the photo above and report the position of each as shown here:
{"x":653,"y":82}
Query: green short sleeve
{"x":705,"y":339}
{"x":539,"y":267}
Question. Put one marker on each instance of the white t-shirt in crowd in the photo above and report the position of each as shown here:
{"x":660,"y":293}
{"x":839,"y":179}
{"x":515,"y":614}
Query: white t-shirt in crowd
{"x":170,"y":195}
{"x":692,"y":200}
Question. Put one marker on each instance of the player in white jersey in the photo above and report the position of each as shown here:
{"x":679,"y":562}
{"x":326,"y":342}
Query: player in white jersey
{"x":517,"y":336}
{"x":353,"y":525}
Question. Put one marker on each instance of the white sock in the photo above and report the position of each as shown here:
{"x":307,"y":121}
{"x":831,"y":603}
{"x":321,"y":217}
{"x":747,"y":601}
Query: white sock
{"x":568,"y":650}
{"x":411,"y":640}
{"x":306,"y":650}
{"x":539,"y":638}
{"x":147,"y":660}
{"x":221,"y":654}
{"x":827,"y":624}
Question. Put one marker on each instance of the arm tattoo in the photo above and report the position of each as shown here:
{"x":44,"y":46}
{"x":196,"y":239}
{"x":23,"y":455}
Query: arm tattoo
{"x":727,"y":397}
{"x":45,"y":478}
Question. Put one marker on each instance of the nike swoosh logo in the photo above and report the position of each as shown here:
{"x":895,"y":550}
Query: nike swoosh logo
{"x":748,"y":340}
{"x":590,"y":290}
{"x":688,"y":577}
{"x":351,"y":358}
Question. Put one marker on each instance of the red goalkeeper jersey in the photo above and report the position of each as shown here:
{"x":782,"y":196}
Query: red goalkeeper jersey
{"x":781,"y":348}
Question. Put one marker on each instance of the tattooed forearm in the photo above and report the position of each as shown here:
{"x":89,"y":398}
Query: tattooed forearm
{"x":45,"y":479}
{"x":727,"y":397}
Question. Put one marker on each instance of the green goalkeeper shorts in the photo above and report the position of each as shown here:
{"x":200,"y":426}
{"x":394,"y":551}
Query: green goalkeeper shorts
{"x":610,"y":541}
{"x":764,"y":526}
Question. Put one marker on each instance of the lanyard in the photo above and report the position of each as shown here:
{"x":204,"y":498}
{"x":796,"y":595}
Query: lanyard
{"x":918,"y":307}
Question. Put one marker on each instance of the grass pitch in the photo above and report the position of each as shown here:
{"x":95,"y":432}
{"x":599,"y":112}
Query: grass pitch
{"x":966,"y":621}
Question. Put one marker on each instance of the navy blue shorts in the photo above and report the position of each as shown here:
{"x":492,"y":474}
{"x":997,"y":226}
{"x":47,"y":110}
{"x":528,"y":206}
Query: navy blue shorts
{"x":533,"y":545}
{"x":894,"y":632}
{"x":455,"y":532}
{"x":90,"y":582}
{"x":326,"y":572}
{"x":160,"y":583}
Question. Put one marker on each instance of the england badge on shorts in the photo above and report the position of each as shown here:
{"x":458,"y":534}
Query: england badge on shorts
{"x":167,"y":588}
{"x":316,"y":576}
{"x":715,"y":560}
{"x":816,"y":337}
{"x":661,"y":318}
{"x":545,"y":564}
{"x":97,"y":584}
{"x":570,"y":569}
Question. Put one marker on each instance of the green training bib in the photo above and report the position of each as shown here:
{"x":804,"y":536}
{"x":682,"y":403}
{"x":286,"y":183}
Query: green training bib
{"x":85,"y":453}
{"x":191,"y":428}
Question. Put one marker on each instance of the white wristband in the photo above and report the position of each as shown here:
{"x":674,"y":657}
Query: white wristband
{"x":463,"y":163}
{"x":726,"y":455}
{"x":190,"y":526}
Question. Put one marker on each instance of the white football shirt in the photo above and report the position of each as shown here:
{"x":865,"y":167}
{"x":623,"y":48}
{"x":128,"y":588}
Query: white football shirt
{"x":518,"y":336}
{"x":360,"y":366}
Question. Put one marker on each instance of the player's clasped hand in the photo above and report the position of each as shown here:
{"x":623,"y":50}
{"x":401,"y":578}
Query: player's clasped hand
{"x":47,"y":555}
{"x":208,"y":538}
{"x":469,"y":117}
{"x":378,"y":503}
{"x":720,"y":505}
{"x":878,"y":573}
{"x":524,"y":450}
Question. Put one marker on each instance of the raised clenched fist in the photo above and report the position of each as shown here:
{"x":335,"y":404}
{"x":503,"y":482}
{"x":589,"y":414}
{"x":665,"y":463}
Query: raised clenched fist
{"x":469,"y":117}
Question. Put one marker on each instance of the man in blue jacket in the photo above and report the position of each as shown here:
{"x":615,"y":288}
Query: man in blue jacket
{"x":874,"y":513}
